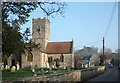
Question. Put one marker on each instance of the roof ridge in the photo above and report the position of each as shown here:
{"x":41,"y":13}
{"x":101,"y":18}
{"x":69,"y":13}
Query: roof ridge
{"x":59,"y":41}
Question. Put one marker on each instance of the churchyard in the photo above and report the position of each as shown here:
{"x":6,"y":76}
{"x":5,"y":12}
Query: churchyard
{"x":14,"y":74}
{"x":8,"y":75}
{"x":23,"y":73}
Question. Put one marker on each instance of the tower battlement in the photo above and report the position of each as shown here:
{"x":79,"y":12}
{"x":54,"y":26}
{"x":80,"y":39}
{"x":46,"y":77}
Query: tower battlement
{"x":40,"y":19}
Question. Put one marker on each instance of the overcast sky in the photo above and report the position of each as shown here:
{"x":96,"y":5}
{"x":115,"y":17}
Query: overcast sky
{"x":85,"y":22}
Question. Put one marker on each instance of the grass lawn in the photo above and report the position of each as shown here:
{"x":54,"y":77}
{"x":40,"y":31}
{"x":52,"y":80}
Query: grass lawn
{"x":7,"y":75}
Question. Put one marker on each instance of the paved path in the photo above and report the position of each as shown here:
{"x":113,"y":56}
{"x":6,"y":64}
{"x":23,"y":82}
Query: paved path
{"x":112,"y":74}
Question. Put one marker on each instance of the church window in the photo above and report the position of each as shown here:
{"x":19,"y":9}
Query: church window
{"x":50,"y":59}
{"x":30,"y":58}
{"x":61,"y":58}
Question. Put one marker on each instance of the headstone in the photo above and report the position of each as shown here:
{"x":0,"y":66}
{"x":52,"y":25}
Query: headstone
{"x":18,"y":67}
{"x":2,"y":67}
{"x":48,"y":65}
{"x":35,"y":75}
{"x":13,"y":69}
{"x":6,"y":66}
{"x":33,"y":70}
{"x":86,"y":65}
{"x":64,"y":66}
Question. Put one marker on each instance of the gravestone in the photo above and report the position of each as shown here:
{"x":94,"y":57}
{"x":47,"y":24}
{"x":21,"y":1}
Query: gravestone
{"x":47,"y":65}
{"x":7,"y":67}
{"x":18,"y":67}
{"x":33,"y":70}
{"x":2,"y":67}
{"x":13,"y":69}
{"x":35,"y":75}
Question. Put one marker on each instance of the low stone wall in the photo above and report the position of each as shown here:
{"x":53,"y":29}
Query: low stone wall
{"x":85,"y":75}
{"x":68,"y":76}
{"x":76,"y":75}
{"x":71,"y":76}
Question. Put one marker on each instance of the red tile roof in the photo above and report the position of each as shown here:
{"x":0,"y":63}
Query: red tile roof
{"x":59,"y":47}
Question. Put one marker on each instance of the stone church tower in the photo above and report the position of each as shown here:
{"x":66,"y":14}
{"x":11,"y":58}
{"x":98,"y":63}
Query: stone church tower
{"x":41,"y":32}
{"x":50,"y":51}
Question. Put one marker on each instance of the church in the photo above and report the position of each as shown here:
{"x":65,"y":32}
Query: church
{"x":50,"y":53}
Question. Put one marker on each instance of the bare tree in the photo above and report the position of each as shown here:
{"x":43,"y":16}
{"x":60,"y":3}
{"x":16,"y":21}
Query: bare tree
{"x":77,"y":61}
{"x":107,"y":53}
{"x":106,"y":57}
{"x":95,"y":59}
{"x":17,"y":13}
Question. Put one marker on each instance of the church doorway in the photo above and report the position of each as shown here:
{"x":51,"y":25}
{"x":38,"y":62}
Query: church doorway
{"x":13,"y":62}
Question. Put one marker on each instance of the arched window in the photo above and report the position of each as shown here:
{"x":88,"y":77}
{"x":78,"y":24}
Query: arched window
{"x":50,"y":59}
{"x":30,"y":57}
{"x":61,"y":58}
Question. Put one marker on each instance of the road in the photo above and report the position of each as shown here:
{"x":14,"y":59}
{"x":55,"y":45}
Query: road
{"x":112,"y":74}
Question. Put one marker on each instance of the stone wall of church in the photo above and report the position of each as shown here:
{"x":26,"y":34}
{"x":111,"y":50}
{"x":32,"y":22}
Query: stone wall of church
{"x":24,"y":61}
{"x":44,"y":60}
{"x":36,"y":58}
{"x":73,"y":58}
{"x":12,"y":60}
{"x":39,"y":60}
{"x":9,"y":61}
{"x":68,"y":60}
{"x":35,"y":62}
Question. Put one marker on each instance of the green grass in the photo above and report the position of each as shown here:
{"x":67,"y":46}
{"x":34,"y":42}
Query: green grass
{"x":27,"y":72}
{"x":7,"y":75}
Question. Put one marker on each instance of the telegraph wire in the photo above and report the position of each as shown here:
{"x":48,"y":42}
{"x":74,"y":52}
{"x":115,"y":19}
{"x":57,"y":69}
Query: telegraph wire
{"x":110,"y":20}
{"x":108,"y":27}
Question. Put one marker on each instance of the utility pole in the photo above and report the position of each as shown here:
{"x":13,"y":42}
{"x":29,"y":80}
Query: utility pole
{"x":103,"y":50}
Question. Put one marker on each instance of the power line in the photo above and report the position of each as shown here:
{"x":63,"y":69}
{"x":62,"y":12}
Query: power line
{"x":110,"y":20}
{"x":108,"y":27}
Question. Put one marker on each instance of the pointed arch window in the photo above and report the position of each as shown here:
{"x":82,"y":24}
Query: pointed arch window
{"x":30,"y":57}
{"x":61,"y":58}
{"x":50,"y":59}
